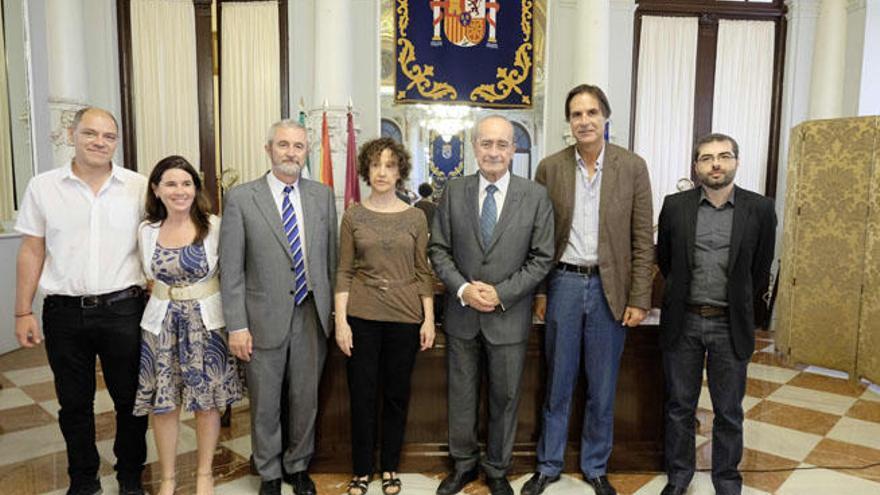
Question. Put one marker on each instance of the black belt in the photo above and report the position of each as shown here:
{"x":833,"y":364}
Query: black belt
{"x":587,"y":271}
{"x":88,"y":302}
{"x":706,"y":311}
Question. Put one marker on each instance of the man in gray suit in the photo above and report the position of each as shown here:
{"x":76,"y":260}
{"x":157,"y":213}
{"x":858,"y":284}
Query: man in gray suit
{"x":491,"y":244}
{"x":277,"y":257}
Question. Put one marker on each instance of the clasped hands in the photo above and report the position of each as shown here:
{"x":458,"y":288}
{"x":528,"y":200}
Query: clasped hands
{"x":481,"y":296}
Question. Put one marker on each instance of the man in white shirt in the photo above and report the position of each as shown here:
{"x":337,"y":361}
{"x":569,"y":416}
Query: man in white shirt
{"x":79,"y":243}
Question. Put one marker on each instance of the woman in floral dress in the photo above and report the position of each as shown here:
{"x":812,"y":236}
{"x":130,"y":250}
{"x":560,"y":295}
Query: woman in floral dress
{"x":185,"y":361}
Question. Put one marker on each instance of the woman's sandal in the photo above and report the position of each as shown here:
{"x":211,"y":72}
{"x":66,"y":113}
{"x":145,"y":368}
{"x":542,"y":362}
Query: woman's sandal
{"x":209,"y":475}
{"x":170,"y":479}
{"x":358,"y":486}
{"x":390,"y":485}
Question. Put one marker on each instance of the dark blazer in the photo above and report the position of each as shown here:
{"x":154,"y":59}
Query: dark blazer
{"x":748,"y":274}
{"x":515,"y":262}
{"x":626,"y":239}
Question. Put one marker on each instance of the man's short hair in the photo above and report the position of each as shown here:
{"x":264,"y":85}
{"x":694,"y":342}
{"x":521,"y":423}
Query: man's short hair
{"x":78,"y":116}
{"x":715,"y":137}
{"x":425,"y":190}
{"x":475,"y":134}
{"x":597,"y":93}
{"x":285,"y":124}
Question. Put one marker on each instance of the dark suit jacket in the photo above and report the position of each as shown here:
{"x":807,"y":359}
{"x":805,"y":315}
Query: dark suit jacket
{"x":626,"y":240}
{"x":515,"y":262}
{"x":751,"y":252}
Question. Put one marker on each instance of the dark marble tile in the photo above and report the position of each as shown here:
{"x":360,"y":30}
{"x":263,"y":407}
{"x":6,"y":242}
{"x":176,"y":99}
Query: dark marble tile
{"x":796,"y":418}
{"x":22,"y":418}
{"x":40,"y":392}
{"x":839,"y":455}
{"x":764,"y":471}
{"x":865,"y":410}
{"x":227,"y":466}
{"x":828,"y":384}
{"x":40,"y":475}
{"x":23,"y":358}
{"x":760,"y":388}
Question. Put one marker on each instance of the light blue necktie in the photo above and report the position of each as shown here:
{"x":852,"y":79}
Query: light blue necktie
{"x":291,"y":229}
{"x":489,"y":214}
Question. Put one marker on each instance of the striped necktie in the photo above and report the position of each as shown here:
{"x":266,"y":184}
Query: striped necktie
{"x":291,"y":230}
{"x":488,"y":215}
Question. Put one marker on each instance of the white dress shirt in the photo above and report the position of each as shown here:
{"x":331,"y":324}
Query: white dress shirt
{"x":583,"y":241}
{"x":499,"y":195}
{"x":277,"y":188}
{"x":91,"y":239}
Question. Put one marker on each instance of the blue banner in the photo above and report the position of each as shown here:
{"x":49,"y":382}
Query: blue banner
{"x":446,"y":160}
{"x":474,"y":52}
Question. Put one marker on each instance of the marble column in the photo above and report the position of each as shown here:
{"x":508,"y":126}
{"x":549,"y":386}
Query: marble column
{"x":829,"y":58}
{"x":68,"y":90}
{"x":592,"y":40}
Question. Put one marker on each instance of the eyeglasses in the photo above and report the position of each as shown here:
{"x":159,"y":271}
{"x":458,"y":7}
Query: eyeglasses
{"x":724,"y":158}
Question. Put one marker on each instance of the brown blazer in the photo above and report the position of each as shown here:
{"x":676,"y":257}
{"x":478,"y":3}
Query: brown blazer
{"x":626,"y":240}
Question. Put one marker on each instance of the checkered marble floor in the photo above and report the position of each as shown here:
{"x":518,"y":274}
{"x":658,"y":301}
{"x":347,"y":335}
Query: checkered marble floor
{"x":805,"y":433}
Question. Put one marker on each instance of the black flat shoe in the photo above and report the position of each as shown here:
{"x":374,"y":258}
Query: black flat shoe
{"x":302,"y":484}
{"x":601,"y":485}
{"x":537,"y":483}
{"x":671,"y":489}
{"x":454,"y":483}
{"x":270,"y":487}
{"x":499,"y":486}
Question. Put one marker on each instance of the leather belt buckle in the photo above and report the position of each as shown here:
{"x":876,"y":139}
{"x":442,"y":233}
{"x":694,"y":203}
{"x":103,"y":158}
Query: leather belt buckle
{"x":89,"y":302}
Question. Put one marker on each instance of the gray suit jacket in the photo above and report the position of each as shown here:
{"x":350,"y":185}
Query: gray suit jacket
{"x":256,"y":267}
{"x":516,"y":260}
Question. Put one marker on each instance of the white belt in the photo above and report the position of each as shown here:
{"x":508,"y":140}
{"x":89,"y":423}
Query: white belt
{"x":199,"y":290}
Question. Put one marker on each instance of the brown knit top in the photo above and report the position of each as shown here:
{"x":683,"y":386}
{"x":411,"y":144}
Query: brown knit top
{"x":383,"y":264}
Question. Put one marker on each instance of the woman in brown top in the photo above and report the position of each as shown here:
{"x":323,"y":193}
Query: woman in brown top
{"x":384,"y":308}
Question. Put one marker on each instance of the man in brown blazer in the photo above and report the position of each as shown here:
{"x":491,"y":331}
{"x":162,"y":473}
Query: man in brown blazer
{"x":601,"y":283}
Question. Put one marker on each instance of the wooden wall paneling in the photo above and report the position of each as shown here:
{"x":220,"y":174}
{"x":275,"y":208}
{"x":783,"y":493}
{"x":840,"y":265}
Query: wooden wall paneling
{"x":126,"y":120}
{"x":704,"y":83}
{"x":205,"y":81}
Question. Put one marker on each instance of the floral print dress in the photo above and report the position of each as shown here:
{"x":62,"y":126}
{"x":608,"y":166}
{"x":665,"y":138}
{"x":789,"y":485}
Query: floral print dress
{"x":186,"y":365}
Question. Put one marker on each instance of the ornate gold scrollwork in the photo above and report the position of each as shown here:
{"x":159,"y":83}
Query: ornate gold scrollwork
{"x":402,"y":16}
{"x":420,"y":75}
{"x":509,"y":79}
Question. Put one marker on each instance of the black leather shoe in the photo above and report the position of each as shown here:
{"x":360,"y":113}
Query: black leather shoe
{"x":302,"y":484}
{"x":92,"y":487}
{"x":601,"y":485}
{"x":671,"y":489}
{"x":131,"y":487}
{"x":271,"y":487}
{"x":499,"y":486}
{"x":456,"y":480}
{"x":537,"y":483}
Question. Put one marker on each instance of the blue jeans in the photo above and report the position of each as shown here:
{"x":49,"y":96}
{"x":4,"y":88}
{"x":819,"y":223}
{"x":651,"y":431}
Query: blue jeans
{"x":578,"y":317}
{"x":705,"y":340}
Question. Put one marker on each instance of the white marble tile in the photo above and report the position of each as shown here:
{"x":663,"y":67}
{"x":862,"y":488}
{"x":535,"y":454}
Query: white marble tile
{"x":246,"y":484}
{"x":240,"y":445}
{"x":27,"y":444}
{"x":705,"y":401}
{"x":872,"y":393}
{"x":824,"y":481}
{"x":772,"y":439}
{"x":812,"y":399}
{"x":14,"y":397}
{"x":773,"y":374}
{"x":30,"y":376}
{"x":865,"y":433}
{"x":103,"y":403}
{"x":700,"y":485}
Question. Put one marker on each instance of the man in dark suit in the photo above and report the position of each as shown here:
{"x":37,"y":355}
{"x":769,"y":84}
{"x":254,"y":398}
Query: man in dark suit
{"x":715,"y":246}
{"x":491,"y":245}
{"x":601,"y":283}
{"x":278,"y":258}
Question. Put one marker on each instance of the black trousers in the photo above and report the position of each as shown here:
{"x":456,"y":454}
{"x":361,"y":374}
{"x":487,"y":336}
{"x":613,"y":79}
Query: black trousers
{"x":705,"y":340}
{"x":74,"y":337}
{"x":384,"y":353}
